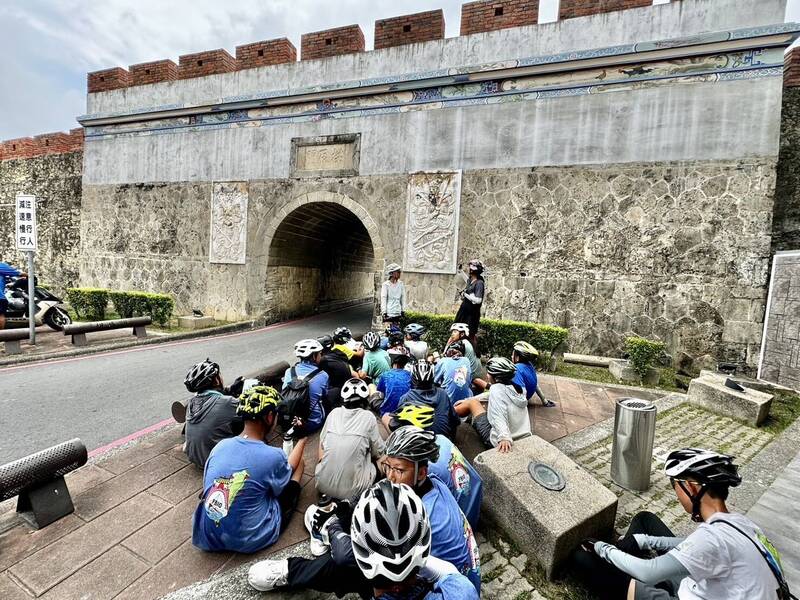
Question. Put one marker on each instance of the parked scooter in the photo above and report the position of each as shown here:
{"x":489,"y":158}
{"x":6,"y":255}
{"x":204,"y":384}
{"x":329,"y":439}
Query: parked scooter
{"x":48,"y":307}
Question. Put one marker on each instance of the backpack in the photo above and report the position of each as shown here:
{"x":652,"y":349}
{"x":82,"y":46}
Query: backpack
{"x":296,"y":399}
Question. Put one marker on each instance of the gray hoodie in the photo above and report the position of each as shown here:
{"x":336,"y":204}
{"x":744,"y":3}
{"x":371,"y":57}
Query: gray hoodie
{"x":209,"y":416}
{"x":507,"y":413}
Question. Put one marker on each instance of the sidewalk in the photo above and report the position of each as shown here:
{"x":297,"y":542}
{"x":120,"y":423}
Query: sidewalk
{"x":129,"y":538}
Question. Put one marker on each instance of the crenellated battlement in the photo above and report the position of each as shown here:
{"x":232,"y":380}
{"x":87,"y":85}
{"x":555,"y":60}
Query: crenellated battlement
{"x":40,"y":145}
{"x":480,"y":16}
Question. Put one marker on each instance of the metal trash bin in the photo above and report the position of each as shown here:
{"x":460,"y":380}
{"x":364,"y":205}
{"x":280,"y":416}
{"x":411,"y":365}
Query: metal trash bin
{"x":632,"y":445}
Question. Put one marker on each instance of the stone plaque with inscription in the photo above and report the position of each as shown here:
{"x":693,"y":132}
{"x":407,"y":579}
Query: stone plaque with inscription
{"x":326,"y":156}
{"x":431,"y":238}
{"x":228,"y":223}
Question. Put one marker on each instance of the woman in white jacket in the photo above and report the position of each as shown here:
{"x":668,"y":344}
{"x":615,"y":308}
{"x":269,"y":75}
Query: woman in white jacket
{"x":393,"y":295}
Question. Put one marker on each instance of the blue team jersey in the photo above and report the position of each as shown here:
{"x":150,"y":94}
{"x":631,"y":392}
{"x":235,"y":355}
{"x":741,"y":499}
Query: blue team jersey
{"x":6,"y":270}
{"x":450,"y":587}
{"x":317,"y":391}
{"x":240,"y":509}
{"x":451,"y":535}
{"x":393,"y":384}
{"x":526,"y":379}
{"x":455,"y":377}
{"x":461,"y":478}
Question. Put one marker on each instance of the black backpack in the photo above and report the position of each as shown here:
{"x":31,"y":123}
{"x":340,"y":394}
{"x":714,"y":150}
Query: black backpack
{"x":296,"y":399}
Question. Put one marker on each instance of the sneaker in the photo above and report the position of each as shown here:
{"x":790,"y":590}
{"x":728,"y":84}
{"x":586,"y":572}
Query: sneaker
{"x":319,"y":543}
{"x":266,"y":575}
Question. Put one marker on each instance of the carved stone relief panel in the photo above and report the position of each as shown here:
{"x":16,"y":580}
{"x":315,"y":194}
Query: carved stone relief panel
{"x":326,"y":156}
{"x":228,"y":223}
{"x":432,"y":212}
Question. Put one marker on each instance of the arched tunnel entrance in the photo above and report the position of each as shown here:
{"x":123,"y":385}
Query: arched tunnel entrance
{"x":321,"y":257}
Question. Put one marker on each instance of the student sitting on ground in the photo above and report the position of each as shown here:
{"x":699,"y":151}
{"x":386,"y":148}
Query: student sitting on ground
{"x":460,"y":332}
{"x":397,"y":344}
{"x":423,"y":392}
{"x":726,"y":557}
{"x":308,"y":382}
{"x":524,"y":358}
{"x":452,"y":468}
{"x":250,"y":489}
{"x":344,"y":342}
{"x":376,"y":360}
{"x":453,"y":373}
{"x":335,"y":364}
{"x":210,"y":414}
{"x":417,"y":347}
{"x":394,"y":383}
{"x":506,"y":417}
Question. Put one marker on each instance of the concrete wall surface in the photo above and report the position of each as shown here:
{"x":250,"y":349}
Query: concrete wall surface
{"x":781,"y":359}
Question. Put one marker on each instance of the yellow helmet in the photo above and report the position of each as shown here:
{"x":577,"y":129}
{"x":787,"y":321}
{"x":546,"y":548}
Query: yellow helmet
{"x":257,"y":401}
{"x":525,"y":350}
{"x":418,"y":415}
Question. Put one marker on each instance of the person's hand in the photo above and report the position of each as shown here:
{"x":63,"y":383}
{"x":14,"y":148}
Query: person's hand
{"x":504,"y":447}
{"x":588,"y":545}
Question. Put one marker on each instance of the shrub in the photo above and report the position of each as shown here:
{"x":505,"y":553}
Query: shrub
{"x":88,"y":303}
{"x":133,"y":304}
{"x":643,"y":353}
{"x":497,"y":336}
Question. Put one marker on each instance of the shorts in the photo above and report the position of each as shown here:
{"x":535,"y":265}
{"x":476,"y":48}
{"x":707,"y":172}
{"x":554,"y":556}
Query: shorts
{"x":3,"y":306}
{"x":648,"y":592}
{"x":288,"y":502}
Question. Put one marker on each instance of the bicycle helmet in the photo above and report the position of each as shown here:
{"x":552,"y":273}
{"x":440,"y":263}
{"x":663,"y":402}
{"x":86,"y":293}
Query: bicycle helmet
{"x":706,"y":467}
{"x":371,"y":340}
{"x":391,"y":533}
{"x":461,"y":328}
{"x":395,"y":338}
{"x":325,"y":341}
{"x":415,"y":330}
{"x":354,"y":392}
{"x":476,"y":266}
{"x":455,"y":349}
{"x":502,"y":369}
{"x":341,"y":335}
{"x":392,"y":268}
{"x":258,"y":401}
{"x":525,"y":351}
{"x":201,"y":376}
{"x":413,"y":444}
{"x":418,"y":415}
{"x":306,"y":348}
{"x":422,"y":375}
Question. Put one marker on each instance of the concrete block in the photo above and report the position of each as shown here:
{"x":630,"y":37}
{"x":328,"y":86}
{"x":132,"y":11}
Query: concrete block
{"x":192,"y":322}
{"x":709,"y":392}
{"x":623,"y":370}
{"x":546,"y":525}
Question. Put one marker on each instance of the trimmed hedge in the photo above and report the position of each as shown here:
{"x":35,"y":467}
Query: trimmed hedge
{"x":91,"y":303}
{"x":136,"y":304}
{"x":497,"y":336}
{"x":643,"y":353}
{"x":88,"y":303}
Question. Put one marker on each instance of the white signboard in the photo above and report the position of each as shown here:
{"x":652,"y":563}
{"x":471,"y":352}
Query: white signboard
{"x":25,"y":233}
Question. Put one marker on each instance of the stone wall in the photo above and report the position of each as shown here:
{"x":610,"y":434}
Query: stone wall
{"x":56,"y":180}
{"x":786,"y":221}
{"x":781,"y":361}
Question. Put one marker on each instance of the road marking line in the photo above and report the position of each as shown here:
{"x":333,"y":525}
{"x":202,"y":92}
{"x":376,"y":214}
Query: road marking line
{"x":129,"y":438}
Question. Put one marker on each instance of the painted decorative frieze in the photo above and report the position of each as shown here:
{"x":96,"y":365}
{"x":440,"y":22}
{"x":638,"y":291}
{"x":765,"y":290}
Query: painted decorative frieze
{"x":431,"y":241}
{"x":228,"y":223}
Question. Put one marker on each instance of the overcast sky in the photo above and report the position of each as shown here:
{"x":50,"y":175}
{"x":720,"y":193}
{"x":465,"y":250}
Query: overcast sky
{"x":49,"y":46}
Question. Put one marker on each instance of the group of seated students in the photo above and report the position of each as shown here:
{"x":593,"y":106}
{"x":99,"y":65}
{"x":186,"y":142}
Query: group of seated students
{"x":410,"y":535}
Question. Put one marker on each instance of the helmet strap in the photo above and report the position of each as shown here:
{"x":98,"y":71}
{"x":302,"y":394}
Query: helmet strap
{"x":696,"y":499}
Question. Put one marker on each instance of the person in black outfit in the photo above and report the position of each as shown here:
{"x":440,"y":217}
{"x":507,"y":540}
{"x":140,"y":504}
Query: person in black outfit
{"x":334,"y":362}
{"x":471,"y":300}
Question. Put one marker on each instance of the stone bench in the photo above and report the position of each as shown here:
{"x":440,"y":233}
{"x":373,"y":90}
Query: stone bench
{"x":710,"y":392}
{"x":546,"y":525}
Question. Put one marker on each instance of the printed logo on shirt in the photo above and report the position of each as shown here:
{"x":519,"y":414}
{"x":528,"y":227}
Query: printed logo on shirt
{"x":460,"y":376}
{"x":458,"y":473}
{"x":472,"y":547}
{"x":222,"y":494}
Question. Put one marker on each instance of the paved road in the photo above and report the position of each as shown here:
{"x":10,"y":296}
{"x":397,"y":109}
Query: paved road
{"x":103,"y":397}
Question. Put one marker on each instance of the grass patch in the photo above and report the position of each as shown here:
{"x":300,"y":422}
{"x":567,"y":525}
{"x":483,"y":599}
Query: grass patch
{"x":784,"y":411}
{"x":669,"y":380}
{"x":170,"y":327}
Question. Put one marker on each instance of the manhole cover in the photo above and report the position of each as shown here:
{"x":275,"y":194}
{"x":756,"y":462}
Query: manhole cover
{"x":546,"y":476}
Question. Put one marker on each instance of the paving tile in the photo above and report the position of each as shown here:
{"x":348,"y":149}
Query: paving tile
{"x":164,"y":534}
{"x":101,"y":579}
{"x":47,"y":567}
{"x":143,"y":451}
{"x":575,"y":423}
{"x":22,"y":541}
{"x":549,"y":431}
{"x":308,"y":496}
{"x":85,"y":478}
{"x":572,"y":400}
{"x":9,"y":590}
{"x":548,"y":413}
{"x":182,"y":484}
{"x":295,"y":533}
{"x":98,"y":500}
{"x":185,"y":565}
{"x":178,"y":453}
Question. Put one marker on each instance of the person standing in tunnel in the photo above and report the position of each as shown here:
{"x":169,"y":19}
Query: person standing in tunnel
{"x":471,"y":300}
{"x":393,"y":296}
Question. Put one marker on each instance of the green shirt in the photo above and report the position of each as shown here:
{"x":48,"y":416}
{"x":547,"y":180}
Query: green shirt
{"x":376,"y":363}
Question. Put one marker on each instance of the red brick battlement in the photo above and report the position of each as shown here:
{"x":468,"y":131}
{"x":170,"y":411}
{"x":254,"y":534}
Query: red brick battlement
{"x":40,"y":145}
{"x":791,"y":68}
{"x":490,"y":15}
{"x":409,"y":29}
{"x":331,"y":42}
{"x":569,"y":9}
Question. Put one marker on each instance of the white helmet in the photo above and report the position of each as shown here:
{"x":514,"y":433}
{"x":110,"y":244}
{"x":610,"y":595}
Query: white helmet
{"x":305,"y":348}
{"x":460,"y":328}
{"x":392,"y":268}
{"x":390,"y":533}
{"x":354,"y":391}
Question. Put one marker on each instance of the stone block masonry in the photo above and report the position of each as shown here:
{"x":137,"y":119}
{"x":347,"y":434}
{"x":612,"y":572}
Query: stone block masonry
{"x":210,"y":62}
{"x":153,"y":72}
{"x":331,"y":42}
{"x":262,"y":54}
{"x":409,"y":29}
{"x":582,"y":8}
{"x":489,"y":15}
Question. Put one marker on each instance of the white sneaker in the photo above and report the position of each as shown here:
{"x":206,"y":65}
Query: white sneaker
{"x":319,"y":542}
{"x":266,"y":575}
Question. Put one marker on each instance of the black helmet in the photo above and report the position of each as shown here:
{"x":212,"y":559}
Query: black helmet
{"x":201,"y":376}
{"x":413,"y":444}
{"x":456,"y":348}
{"x":326,"y":341}
{"x":342,"y":335}
{"x":415,"y":330}
{"x":395,"y":338}
{"x":502,"y":369}
{"x":422,"y":375}
{"x":371,"y":340}
{"x":476,"y":266}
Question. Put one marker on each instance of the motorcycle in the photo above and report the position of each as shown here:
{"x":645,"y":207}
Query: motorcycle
{"x":48,"y":309}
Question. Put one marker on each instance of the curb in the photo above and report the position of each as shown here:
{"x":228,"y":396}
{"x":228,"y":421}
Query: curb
{"x":157,"y":339}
